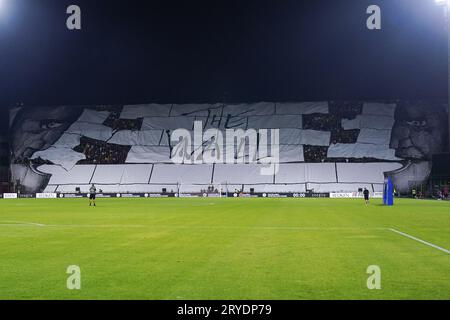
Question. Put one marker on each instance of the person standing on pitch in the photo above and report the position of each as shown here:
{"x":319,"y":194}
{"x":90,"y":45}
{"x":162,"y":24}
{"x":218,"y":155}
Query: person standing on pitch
{"x":92,"y":191}
{"x":366,"y":196}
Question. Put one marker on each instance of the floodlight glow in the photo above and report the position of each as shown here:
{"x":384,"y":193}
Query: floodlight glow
{"x":2,"y":5}
{"x":4,"y":9}
{"x":442,"y":2}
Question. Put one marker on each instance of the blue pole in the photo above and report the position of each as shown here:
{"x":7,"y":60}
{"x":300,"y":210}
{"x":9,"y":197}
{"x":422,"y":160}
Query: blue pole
{"x":389,"y":192}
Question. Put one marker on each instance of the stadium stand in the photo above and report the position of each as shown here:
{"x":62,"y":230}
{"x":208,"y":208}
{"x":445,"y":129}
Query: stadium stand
{"x":4,"y":164}
{"x":323,"y":146}
{"x":292,"y":177}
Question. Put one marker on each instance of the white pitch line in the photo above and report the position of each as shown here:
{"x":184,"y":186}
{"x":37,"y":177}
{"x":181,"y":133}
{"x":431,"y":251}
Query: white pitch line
{"x":299,"y":228}
{"x":420,"y":240}
{"x":21,"y":223}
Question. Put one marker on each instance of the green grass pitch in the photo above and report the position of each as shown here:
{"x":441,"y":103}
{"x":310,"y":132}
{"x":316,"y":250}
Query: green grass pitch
{"x":211,"y":248}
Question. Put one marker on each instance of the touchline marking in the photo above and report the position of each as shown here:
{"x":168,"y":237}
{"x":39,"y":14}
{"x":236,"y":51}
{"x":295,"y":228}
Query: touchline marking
{"x":419,"y":240}
{"x":294,"y":228}
{"x":21,"y":223}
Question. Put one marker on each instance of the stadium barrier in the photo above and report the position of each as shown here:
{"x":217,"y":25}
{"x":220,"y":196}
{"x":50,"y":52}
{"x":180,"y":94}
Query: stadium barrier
{"x":353,"y":195}
{"x":167,"y":195}
{"x":335,"y":195}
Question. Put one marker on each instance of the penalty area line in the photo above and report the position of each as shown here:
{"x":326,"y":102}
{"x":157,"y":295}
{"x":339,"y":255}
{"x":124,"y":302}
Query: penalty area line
{"x":420,"y":240}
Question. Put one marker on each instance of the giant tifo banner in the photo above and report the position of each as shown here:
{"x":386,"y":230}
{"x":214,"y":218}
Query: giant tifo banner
{"x":265,"y":147}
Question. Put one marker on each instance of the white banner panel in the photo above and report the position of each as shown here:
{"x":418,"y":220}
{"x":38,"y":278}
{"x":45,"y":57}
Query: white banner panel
{"x":91,"y":130}
{"x":350,"y":124}
{"x":291,"y":153}
{"x":353,"y":195}
{"x":93,"y":116}
{"x":315,"y":138}
{"x":10,"y":196}
{"x":254,"y":109}
{"x":342,"y":194}
{"x":145,"y":110}
{"x":46,"y":195}
{"x":290,"y":136}
{"x":361,"y":150}
{"x":368,"y":121}
{"x":275,"y":122}
{"x":203,"y":110}
{"x":68,"y":140}
{"x":168,"y":123}
{"x":66,"y":158}
{"x":148,"y":154}
{"x":302,"y":107}
{"x":382,"y":109}
{"x":377,"y":122}
{"x":375,"y":136}
{"x":80,"y":174}
{"x":137,"y":138}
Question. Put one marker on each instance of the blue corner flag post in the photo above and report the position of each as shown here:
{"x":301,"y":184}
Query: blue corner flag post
{"x":388,"y":194}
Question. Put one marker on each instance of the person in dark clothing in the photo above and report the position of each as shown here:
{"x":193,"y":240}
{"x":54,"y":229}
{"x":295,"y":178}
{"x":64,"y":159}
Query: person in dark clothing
{"x":366,"y":196}
{"x":92,"y":191}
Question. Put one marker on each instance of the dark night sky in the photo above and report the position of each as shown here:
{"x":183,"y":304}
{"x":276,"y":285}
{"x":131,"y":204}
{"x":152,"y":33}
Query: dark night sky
{"x":220,"y":50}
